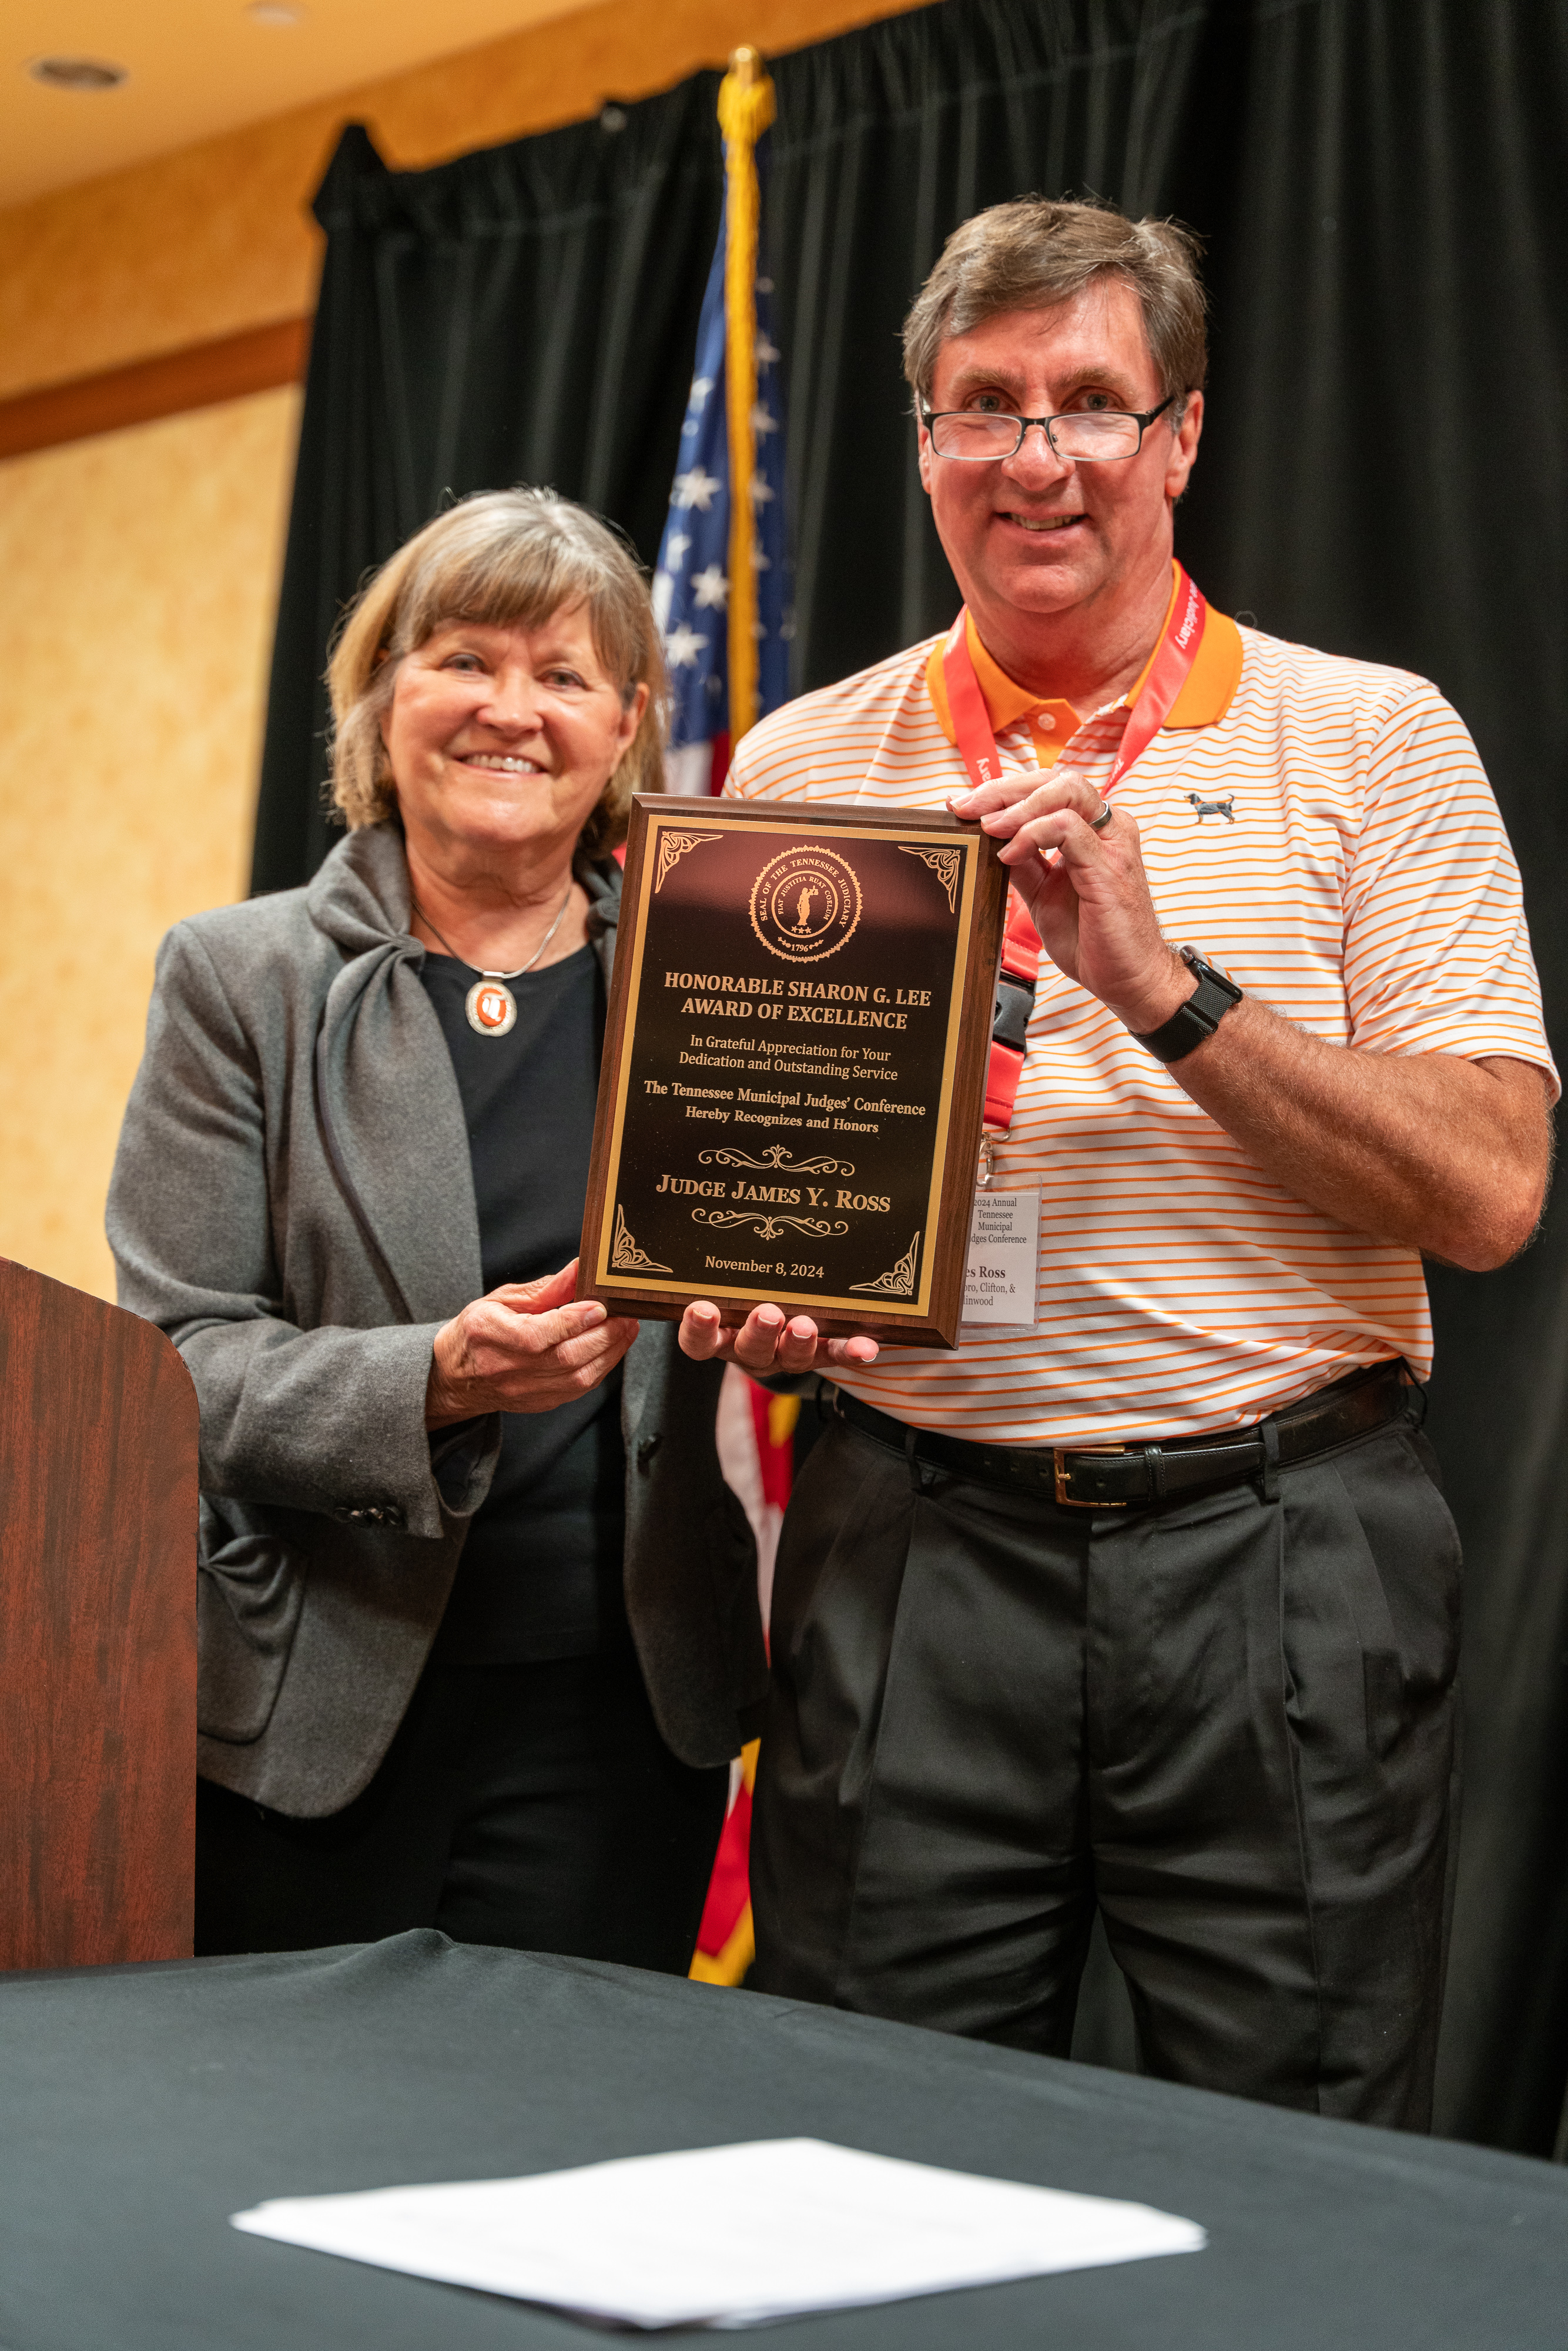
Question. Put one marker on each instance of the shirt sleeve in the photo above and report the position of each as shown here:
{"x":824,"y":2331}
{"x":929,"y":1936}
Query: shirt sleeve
{"x":740,"y":784}
{"x":1436,"y":950}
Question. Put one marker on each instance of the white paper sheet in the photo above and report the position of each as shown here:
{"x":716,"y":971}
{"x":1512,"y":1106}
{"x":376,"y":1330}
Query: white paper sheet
{"x":726,"y":2236}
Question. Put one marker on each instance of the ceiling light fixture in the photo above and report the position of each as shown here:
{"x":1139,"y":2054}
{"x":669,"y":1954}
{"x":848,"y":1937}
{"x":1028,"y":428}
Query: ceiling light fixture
{"x":77,"y":73}
{"x":275,"y":12}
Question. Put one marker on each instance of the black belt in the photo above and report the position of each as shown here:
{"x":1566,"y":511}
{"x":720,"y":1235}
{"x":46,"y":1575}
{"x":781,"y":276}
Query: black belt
{"x":1119,"y":1477}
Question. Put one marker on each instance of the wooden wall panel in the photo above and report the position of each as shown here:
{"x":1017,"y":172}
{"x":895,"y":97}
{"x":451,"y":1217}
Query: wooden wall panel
{"x":97,"y":1632}
{"x":203,"y":376}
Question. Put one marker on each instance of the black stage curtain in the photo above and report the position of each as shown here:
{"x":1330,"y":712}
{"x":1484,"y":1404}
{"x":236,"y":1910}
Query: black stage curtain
{"x":523,"y":315}
{"x":1380,"y":183}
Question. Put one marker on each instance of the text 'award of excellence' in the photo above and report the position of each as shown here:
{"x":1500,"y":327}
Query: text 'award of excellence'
{"x":795,"y":1065}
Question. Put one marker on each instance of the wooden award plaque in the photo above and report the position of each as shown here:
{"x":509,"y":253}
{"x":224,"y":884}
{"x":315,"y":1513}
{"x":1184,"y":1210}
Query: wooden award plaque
{"x":794,"y":1075}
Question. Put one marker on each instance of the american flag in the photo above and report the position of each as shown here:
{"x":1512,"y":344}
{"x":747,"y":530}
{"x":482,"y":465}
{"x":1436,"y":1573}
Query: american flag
{"x":691,"y":583}
{"x":756,"y":1451}
{"x":692,"y":590}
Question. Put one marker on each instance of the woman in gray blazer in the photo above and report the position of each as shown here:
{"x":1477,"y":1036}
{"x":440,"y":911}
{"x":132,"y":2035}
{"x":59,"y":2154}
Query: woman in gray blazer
{"x":477,"y":1612}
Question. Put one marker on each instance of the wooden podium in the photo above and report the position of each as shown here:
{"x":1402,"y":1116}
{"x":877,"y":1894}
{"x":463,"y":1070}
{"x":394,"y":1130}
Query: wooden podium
{"x":97,"y":1632}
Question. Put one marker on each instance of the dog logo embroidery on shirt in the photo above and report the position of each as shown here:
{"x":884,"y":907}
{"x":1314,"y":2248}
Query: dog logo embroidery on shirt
{"x":1202,"y":808}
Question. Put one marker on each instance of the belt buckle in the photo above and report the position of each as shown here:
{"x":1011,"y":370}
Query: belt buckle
{"x":1059,"y":1460}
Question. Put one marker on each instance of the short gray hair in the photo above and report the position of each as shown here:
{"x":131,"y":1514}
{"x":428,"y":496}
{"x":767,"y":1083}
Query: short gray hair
{"x":507,"y":558}
{"x":1033,"y":252}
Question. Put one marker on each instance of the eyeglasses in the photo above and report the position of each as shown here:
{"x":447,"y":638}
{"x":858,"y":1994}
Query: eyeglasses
{"x":1093,"y":436}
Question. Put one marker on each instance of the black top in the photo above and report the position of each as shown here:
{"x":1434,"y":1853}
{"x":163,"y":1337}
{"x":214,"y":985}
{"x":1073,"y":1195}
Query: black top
{"x":540,"y":1573}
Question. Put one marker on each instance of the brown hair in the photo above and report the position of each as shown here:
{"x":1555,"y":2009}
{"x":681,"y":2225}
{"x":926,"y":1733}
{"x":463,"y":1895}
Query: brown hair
{"x":506,"y":558}
{"x":1030,"y":252}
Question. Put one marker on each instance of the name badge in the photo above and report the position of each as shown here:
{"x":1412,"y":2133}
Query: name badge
{"x":1003,"y":1264}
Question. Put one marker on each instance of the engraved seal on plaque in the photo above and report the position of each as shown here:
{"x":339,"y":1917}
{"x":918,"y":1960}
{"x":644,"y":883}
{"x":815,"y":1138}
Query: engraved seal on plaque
{"x":806,"y":905}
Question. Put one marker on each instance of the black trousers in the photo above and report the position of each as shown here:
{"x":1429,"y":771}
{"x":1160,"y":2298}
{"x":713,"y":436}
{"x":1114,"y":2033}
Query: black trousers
{"x":532,"y":1806}
{"x":1228,"y":1722}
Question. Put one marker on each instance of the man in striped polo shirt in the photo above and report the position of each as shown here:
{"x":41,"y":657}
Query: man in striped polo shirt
{"x":1153,"y":1604}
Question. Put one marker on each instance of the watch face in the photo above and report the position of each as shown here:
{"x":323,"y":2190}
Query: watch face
{"x":1211,"y":971}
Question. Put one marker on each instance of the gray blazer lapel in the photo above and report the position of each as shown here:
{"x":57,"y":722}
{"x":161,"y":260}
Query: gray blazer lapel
{"x":643,"y":1374}
{"x":386,"y":1093}
{"x":602,"y":883}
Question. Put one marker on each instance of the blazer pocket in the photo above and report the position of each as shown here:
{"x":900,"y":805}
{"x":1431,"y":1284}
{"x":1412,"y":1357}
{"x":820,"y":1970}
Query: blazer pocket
{"x":250,"y":1590}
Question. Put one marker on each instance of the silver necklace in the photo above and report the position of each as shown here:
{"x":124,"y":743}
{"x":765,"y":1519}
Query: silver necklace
{"x":490,"y":1005}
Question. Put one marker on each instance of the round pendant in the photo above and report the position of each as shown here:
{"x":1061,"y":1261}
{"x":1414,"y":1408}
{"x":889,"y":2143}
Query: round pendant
{"x":491,"y":1007}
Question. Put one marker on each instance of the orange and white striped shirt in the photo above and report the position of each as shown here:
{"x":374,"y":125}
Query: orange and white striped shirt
{"x":1323,"y":830}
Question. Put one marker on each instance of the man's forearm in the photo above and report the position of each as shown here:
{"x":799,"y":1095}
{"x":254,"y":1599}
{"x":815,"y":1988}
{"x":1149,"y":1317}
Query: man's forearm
{"x":1449,"y":1156}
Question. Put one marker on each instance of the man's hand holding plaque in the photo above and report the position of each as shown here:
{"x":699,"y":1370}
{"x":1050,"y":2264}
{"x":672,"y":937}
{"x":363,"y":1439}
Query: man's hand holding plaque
{"x":769,"y":1341}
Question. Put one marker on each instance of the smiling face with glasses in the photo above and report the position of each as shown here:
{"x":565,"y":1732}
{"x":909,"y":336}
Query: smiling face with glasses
{"x":1047,"y":450}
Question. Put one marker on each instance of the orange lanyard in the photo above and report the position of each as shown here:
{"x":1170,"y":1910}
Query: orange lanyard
{"x":977,"y":749}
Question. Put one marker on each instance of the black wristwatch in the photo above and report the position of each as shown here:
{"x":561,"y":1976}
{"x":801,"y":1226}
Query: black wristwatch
{"x":1199,"y":1018}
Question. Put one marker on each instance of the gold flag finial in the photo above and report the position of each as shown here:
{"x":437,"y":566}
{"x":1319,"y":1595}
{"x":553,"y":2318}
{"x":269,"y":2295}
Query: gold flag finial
{"x":746,"y":108}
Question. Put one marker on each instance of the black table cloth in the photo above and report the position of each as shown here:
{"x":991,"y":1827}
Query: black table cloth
{"x":139,"y":2107}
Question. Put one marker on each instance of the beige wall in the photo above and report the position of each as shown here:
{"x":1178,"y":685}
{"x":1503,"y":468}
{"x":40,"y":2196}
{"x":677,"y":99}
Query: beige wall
{"x":137,"y":572}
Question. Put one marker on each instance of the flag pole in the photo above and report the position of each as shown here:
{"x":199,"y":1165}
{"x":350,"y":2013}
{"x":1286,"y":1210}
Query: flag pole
{"x":746,"y":108}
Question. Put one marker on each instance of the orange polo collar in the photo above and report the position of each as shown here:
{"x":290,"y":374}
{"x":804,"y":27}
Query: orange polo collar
{"x":1205,"y":697}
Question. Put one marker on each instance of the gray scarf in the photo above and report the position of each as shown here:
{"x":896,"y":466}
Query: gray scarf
{"x":384,"y":1083}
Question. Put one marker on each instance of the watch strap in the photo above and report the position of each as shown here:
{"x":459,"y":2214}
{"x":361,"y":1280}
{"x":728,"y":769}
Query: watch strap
{"x":1199,"y":1018}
